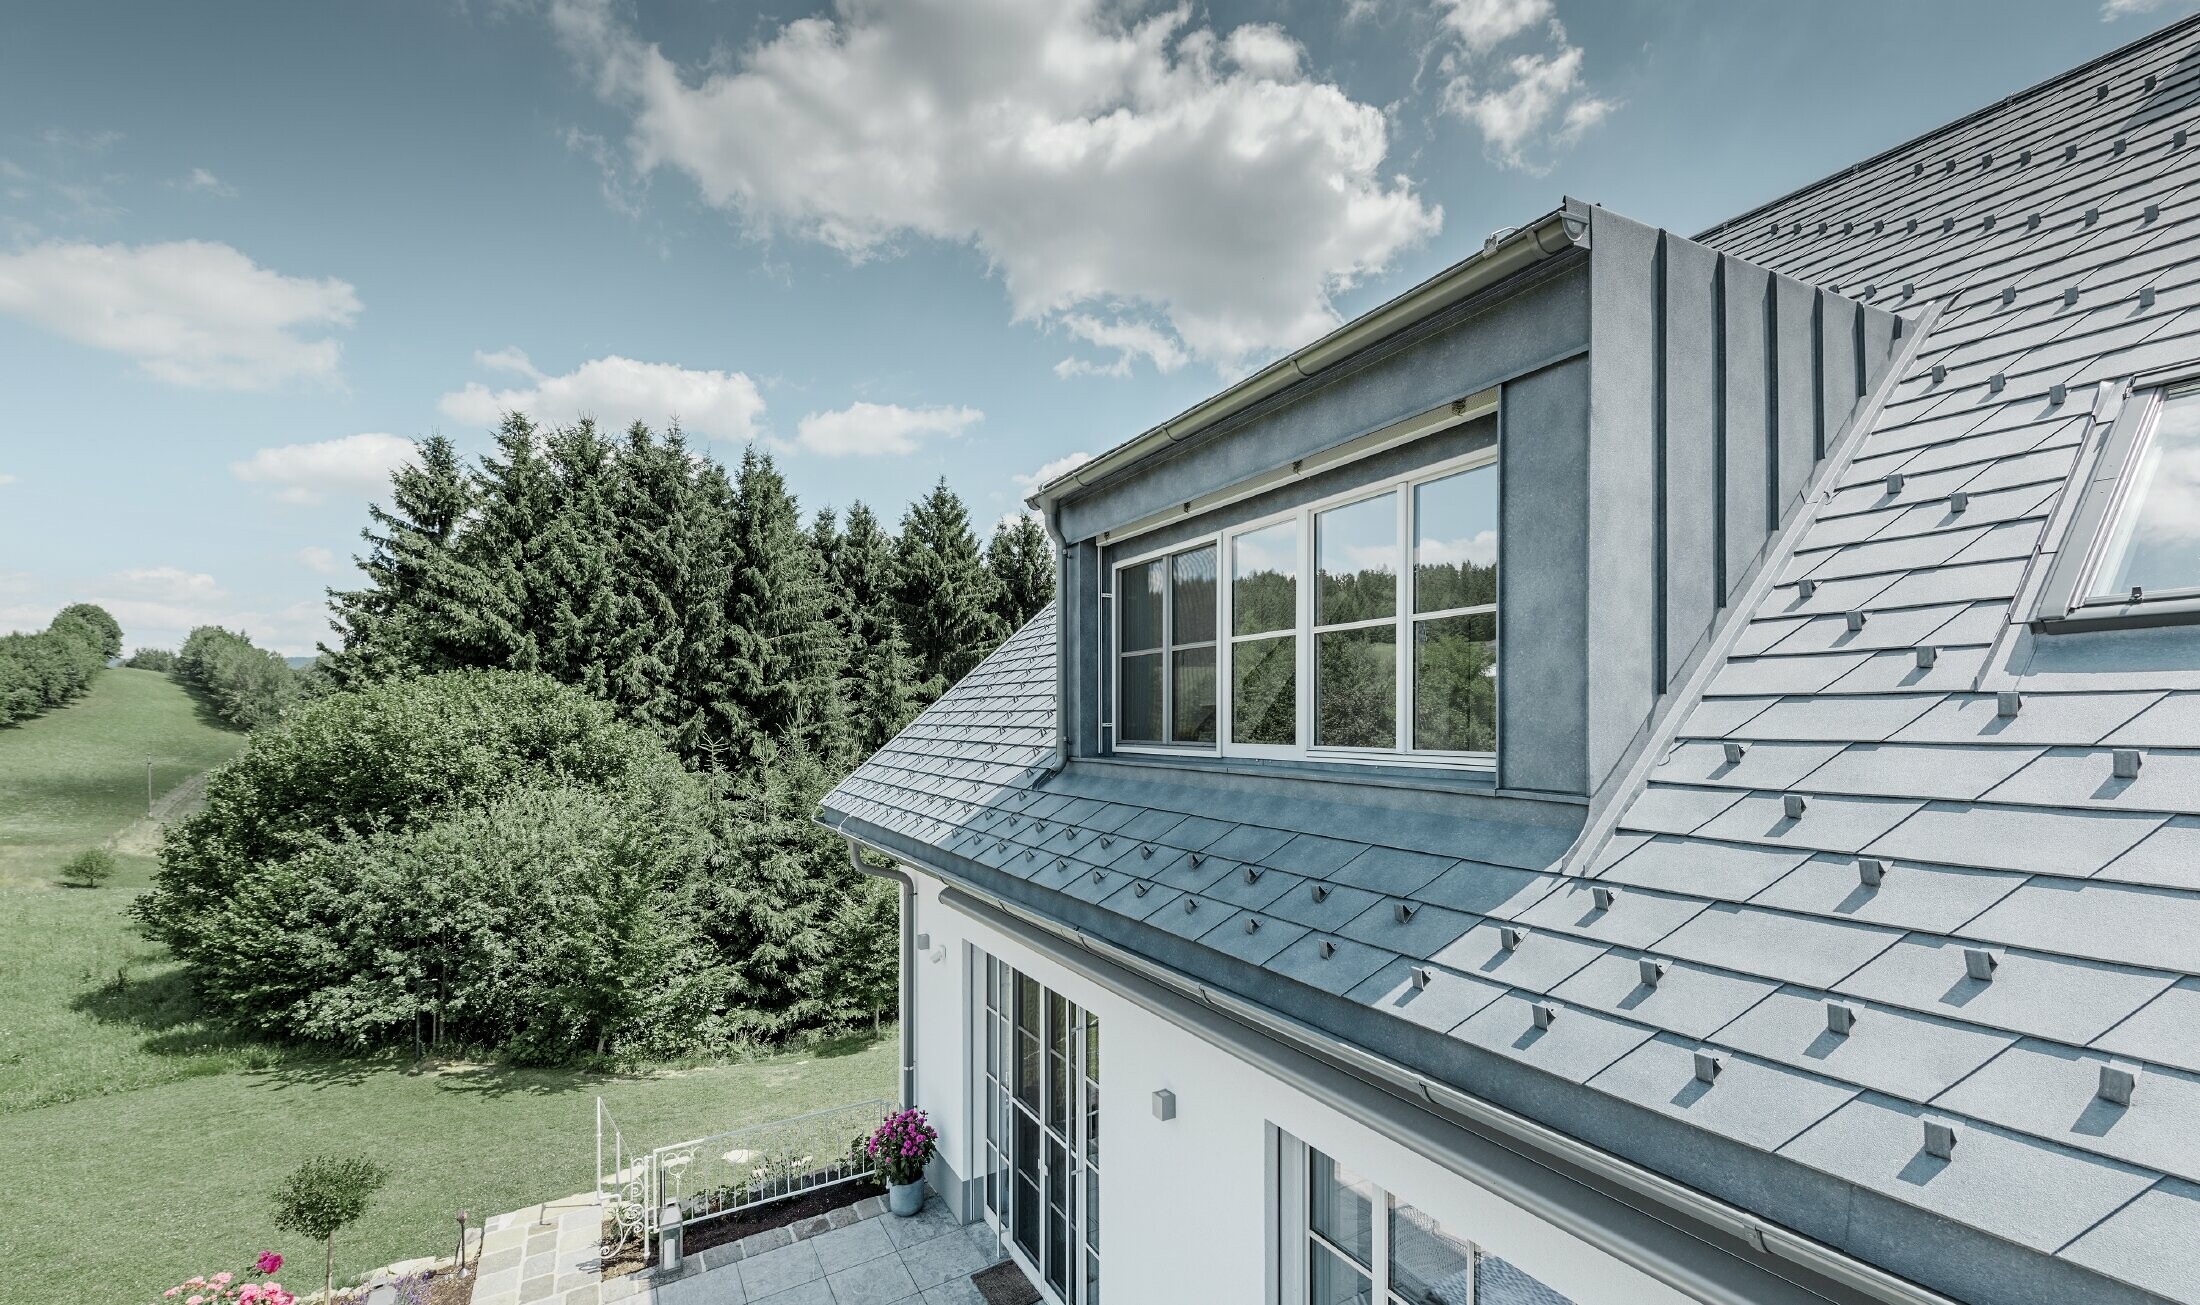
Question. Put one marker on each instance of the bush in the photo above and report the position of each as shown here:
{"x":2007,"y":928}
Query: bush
{"x":324,"y":1196}
{"x":151,"y":659}
{"x":248,"y":687}
{"x":89,"y":868}
{"x":492,"y":860}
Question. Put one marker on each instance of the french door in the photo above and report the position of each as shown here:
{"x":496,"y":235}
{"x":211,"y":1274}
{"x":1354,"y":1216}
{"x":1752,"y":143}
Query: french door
{"x":1042,"y":1132}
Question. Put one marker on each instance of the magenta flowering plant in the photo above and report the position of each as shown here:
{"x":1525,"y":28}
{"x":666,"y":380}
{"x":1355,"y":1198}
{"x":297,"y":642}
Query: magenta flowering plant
{"x":901,"y":1146}
{"x":226,"y":1288}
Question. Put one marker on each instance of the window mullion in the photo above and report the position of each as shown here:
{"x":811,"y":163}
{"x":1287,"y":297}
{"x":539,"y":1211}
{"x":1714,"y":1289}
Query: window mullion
{"x":1402,"y":737}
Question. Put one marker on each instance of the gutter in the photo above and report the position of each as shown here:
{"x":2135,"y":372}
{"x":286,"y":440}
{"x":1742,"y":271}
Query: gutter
{"x":908,"y":983}
{"x":1503,"y":255}
{"x":1306,"y":1058}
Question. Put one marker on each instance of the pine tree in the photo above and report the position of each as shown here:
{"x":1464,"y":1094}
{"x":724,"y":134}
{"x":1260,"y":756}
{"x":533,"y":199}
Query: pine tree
{"x":519,"y":496}
{"x":863,"y":571}
{"x":1021,"y":558}
{"x":784,"y":657}
{"x":943,"y":593}
{"x":394,"y":625}
{"x":575,"y":579}
{"x":883,"y":691}
{"x":665,"y":663}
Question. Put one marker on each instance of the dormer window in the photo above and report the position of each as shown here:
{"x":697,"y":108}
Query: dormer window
{"x":2133,"y":551}
{"x":1360,"y":627}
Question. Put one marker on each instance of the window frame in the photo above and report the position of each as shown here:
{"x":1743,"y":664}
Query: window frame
{"x":1166,"y":650}
{"x":1403,"y":619}
{"x":2102,"y":493}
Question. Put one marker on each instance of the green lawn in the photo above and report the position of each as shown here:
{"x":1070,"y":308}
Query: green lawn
{"x":120,"y":1103}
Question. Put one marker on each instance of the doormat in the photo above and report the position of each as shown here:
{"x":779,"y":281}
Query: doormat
{"x":1005,"y":1284}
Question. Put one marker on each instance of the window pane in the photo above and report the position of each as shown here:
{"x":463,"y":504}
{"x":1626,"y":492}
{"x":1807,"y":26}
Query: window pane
{"x":1333,"y":1282}
{"x":1455,"y":683}
{"x":1194,"y":701}
{"x":1192,"y":606}
{"x":1356,"y":561}
{"x":2154,"y":544}
{"x":1141,"y":600}
{"x":1138,"y":715}
{"x":1455,"y":541}
{"x":1264,"y":691}
{"x":1264,"y":579}
{"x":1341,"y":1207}
{"x":1499,"y":1283}
{"x":1427,"y":1264}
{"x":1356,"y":688}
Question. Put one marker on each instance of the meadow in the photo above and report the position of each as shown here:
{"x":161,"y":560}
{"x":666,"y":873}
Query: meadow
{"x":139,"y":1140}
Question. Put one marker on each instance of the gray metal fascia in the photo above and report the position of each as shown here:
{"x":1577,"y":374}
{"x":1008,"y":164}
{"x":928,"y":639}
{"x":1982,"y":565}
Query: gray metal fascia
{"x":1563,"y":228}
{"x":1299,"y":1055}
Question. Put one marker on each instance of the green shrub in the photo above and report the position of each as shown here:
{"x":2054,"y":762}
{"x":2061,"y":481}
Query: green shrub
{"x":89,"y":868}
{"x":54,"y":666}
{"x":248,"y":687}
{"x":151,"y":659}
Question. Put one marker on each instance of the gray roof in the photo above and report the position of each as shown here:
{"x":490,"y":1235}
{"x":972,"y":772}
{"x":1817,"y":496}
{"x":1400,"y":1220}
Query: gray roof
{"x":1996,"y":833}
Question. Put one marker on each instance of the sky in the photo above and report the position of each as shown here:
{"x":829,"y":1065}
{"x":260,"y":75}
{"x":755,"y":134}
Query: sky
{"x":249,"y":252}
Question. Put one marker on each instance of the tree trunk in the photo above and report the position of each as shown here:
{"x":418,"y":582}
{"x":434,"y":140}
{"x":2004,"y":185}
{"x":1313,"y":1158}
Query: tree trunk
{"x":328,"y":1288}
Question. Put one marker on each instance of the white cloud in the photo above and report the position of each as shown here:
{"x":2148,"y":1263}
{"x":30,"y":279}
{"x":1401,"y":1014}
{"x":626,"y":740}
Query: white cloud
{"x":1523,"y":103}
{"x":354,"y":466}
{"x":617,"y":392}
{"x":190,"y":312}
{"x":1482,"y":24}
{"x":7,"y":478}
{"x":1130,"y":339}
{"x":158,"y":606}
{"x":1479,"y":548}
{"x":321,"y":560}
{"x":206,"y":182}
{"x":2111,"y":10}
{"x":869,"y":428}
{"x":1206,"y":182}
{"x":1068,"y":462}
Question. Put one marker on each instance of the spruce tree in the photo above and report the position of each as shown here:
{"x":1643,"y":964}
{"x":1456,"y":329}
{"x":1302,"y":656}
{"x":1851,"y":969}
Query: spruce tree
{"x":1021,"y":558}
{"x":863,"y":571}
{"x":519,"y":495}
{"x":943,"y":593}
{"x":784,"y":658}
{"x":883,"y":691}
{"x":395,"y":624}
{"x":665,"y":665}
{"x":575,"y":577}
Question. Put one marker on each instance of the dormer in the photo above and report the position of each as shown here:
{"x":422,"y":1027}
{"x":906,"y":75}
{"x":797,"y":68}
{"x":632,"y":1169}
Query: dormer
{"x":1471,"y":538}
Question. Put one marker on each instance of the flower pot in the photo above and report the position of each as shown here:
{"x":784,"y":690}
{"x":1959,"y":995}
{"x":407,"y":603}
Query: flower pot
{"x":905,"y":1199}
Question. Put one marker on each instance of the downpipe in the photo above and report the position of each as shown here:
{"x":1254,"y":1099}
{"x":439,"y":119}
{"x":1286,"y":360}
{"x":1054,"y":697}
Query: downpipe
{"x":908,"y":966}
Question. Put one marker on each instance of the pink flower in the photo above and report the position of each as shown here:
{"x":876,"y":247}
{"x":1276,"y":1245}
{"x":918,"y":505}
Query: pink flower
{"x":268,"y":1262}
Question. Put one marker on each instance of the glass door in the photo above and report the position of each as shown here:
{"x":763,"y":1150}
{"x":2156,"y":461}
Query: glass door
{"x":1042,"y":1132}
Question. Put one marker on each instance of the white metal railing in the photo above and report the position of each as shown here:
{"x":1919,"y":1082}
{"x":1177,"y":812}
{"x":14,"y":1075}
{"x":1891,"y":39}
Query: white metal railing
{"x":725,"y":1173}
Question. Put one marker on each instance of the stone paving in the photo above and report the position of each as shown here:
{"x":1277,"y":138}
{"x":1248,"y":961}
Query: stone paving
{"x":856,"y":1255}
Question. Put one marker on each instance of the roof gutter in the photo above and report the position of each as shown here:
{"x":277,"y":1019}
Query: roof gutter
{"x":1228,"y":1019}
{"x":1501,"y":256}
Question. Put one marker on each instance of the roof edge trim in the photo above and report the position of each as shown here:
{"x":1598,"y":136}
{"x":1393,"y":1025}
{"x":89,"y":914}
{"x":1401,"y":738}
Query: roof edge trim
{"x":1563,"y":228}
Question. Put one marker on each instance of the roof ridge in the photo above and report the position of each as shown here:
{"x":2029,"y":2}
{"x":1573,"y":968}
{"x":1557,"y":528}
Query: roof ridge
{"x":2041,"y":87}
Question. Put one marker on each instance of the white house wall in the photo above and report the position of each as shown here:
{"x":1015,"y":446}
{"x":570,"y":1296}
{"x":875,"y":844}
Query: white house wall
{"x":1184,"y":1204}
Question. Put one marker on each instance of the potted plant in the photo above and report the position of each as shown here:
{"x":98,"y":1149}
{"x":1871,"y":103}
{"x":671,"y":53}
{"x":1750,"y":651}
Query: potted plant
{"x":899,"y":1149}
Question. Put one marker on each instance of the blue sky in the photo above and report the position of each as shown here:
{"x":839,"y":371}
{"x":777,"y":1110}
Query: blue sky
{"x":247,"y":251}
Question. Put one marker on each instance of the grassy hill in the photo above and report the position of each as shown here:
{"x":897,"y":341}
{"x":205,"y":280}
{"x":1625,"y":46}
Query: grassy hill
{"x":119,"y":1099}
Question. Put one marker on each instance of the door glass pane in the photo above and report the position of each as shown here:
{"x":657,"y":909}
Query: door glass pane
{"x":1330,"y":1281}
{"x":1264,"y":579}
{"x":1356,"y":688}
{"x":1193,"y":700}
{"x":1356,"y":561}
{"x":1264,"y":690}
{"x":2154,"y":544}
{"x":1138,"y":715}
{"x":1455,"y":541}
{"x":1455,"y":683}
{"x":1141,"y":600}
{"x":1192,"y":605}
{"x":1341,"y":1207}
{"x":1426,"y":1263}
{"x":1026,"y":1230}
